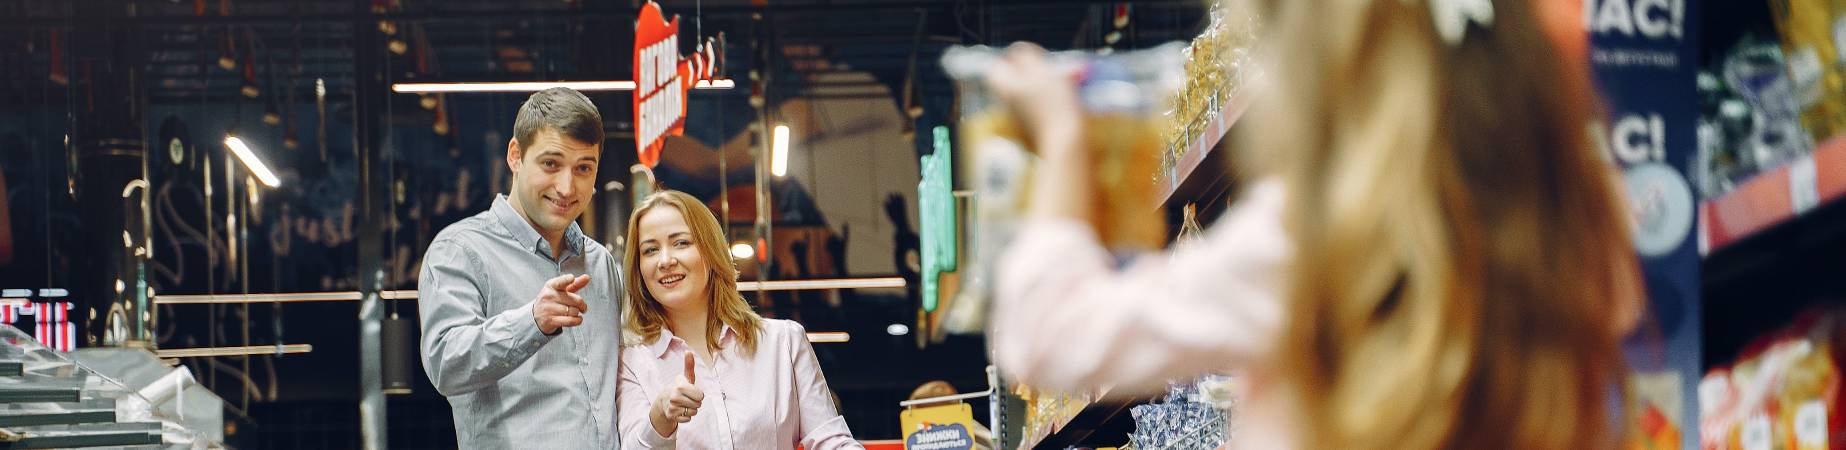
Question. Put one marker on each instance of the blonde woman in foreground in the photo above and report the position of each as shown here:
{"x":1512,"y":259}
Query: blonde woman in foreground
{"x":1432,"y":255}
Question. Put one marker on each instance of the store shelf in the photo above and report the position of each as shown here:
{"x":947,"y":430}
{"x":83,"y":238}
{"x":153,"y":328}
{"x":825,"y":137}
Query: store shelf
{"x":56,"y":418}
{"x":1103,"y":423}
{"x":1200,"y":146}
{"x":1775,"y":196}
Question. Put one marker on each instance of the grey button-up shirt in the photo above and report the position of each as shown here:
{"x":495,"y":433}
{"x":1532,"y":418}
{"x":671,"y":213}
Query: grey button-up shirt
{"x":512,"y":386}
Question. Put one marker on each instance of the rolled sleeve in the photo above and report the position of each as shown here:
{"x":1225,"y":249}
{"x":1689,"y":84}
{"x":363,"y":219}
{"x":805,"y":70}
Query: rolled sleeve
{"x":465,"y":349}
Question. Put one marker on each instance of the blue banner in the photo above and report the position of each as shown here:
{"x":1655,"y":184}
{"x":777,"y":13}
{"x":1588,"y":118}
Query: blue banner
{"x":1643,"y":54}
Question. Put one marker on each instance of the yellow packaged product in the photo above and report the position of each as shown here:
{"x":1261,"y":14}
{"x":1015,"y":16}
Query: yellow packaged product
{"x":1814,"y":45}
{"x":1124,"y":96}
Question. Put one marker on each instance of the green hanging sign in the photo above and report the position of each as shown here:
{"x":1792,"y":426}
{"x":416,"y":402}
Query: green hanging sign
{"x":936,"y":212}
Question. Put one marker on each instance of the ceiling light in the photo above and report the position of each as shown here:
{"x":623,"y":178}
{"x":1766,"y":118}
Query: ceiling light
{"x":535,"y":86}
{"x":251,"y":162}
{"x":828,"y":337}
{"x":742,"y":251}
{"x":897,"y":329}
{"x":778,"y":163}
{"x":823,"y":284}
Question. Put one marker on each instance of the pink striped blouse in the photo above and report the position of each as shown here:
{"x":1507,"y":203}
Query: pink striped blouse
{"x":772,"y":399}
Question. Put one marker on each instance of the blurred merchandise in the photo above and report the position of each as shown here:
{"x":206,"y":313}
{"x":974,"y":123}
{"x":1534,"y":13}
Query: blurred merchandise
{"x":1047,"y":410}
{"x":1814,"y":38}
{"x":1218,"y":64}
{"x":1653,"y":426}
{"x":1749,"y":117}
{"x":1783,"y":391}
{"x":1194,"y":416}
{"x":101,"y":397}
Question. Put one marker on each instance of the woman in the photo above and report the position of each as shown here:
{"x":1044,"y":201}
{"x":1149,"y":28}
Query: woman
{"x":699,"y":368}
{"x":1434,"y":258}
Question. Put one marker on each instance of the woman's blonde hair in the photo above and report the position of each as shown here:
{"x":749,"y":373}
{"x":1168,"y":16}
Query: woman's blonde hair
{"x":1459,"y":241}
{"x":646,"y":315}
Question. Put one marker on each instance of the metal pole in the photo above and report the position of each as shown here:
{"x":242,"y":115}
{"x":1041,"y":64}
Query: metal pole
{"x":368,"y":91}
{"x":764,"y":218}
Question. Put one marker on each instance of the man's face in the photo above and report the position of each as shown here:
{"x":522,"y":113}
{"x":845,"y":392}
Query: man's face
{"x":553,"y":179}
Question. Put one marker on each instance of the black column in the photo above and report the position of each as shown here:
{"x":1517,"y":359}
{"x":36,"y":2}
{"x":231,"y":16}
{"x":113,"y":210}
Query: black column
{"x":369,"y":97}
{"x":107,"y":177}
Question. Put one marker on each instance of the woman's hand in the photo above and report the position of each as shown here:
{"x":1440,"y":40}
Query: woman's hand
{"x":1043,"y":97}
{"x":677,"y":403}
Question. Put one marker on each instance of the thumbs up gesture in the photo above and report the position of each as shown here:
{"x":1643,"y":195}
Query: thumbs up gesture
{"x":677,"y":403}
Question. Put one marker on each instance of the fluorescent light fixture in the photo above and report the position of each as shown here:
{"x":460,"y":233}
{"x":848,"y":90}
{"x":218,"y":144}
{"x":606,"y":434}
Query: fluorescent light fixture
{"x":535,"y":86}
{"x":346,"y":296}
{"x":897,"y":329}
{"x":742,"y":251}
{"x":778,"y":155}
{"x":829,"y":337}
{"x":250,"y":350}
{"x":251,"y":162}
{"x":806,"y":285}
{"x":16,"y":293}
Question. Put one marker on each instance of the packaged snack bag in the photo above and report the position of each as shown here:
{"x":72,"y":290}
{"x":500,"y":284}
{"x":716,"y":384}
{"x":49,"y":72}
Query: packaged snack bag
{"x":1814,"y":40}
{"x":1782,"y":393}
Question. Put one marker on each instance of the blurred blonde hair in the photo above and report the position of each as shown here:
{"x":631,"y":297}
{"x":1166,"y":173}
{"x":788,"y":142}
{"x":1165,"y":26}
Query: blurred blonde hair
{"x":1459,"y":240}
{"x":646,"y":315}
{"x":932,"y":389}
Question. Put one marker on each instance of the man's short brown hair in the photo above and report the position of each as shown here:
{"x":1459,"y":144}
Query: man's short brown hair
{"x":561,"y":109}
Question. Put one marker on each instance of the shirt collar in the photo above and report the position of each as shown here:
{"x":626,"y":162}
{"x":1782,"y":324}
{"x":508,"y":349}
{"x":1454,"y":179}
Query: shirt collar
{"x":523,"y":231}
{"x":667,"y":339}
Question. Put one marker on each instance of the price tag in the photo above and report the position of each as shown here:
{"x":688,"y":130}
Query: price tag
{"x":1803,"y":193}
{"x":1756,"y":435}
{"x":1811,"y":426}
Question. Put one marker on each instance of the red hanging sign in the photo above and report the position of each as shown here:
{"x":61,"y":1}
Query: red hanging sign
{"x":662,"y":80}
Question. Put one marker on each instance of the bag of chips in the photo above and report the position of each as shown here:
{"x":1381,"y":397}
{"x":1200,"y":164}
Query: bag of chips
{"x":1782,"y":393}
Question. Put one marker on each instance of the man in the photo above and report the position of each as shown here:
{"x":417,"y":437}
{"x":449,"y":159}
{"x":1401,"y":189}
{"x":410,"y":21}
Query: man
{"x":521,"y":326}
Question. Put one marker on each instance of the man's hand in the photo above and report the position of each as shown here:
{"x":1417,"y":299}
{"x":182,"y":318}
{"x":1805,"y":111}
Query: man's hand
{"x":677,"y":403}
{"x":558,"y":304}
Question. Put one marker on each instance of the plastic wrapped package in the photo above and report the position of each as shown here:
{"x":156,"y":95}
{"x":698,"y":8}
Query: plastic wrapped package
{"x":1193,"y":416}
{"x":1217,"y":64}
{"x":1124,"y":96}
{"x":1749,"y":118}
{"x":1782,"y":393}
{"x":1814,"y":38}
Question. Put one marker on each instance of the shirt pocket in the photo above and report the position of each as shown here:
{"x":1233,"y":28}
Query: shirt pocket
{"x":505,"y":289}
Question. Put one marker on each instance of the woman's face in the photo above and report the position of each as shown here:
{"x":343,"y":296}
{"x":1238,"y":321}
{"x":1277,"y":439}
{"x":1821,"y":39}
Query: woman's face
{"x":674,"y":272}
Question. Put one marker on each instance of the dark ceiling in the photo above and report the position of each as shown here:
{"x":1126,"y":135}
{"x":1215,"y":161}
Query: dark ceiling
{"x":292,"y":43}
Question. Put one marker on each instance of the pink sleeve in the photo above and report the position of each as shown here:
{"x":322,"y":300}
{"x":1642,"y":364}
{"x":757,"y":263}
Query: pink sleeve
{"x":636,"y":405}
{"x":822,"y":427}
{"x":1066,"y":319}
